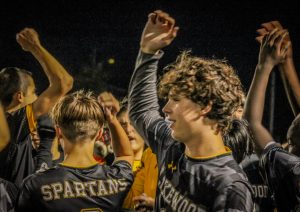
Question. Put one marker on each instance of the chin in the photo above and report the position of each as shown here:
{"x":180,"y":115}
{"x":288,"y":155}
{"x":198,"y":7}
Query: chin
{"x":175,"y":137}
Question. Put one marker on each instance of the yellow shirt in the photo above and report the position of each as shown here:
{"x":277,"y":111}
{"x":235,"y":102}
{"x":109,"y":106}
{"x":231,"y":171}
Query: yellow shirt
{"x":30,"y":118}
{"x":145,"y":180}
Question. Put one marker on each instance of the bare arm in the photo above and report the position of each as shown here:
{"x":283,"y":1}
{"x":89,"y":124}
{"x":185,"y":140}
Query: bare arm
{"x":272,"y":52}
{"x":4,"y":130}
{"x":120,"y":141}
{"x":60,"y":82}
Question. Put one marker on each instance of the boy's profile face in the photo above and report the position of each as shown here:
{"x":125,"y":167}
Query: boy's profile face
{"x":136,"y":141}
{"x":183,"y":115}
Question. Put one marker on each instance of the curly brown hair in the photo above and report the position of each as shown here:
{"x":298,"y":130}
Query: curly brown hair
{"x":204,"y":81}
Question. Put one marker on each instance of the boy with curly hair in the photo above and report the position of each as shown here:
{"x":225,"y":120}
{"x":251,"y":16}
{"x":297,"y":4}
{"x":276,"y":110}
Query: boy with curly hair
{"x":196,"y":171}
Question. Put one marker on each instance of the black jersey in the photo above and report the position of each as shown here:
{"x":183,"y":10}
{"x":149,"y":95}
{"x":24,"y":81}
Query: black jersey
{"x":8,"y":196}
{"x":282,"y":172}
{"x":62,"y":188}
{"x":16,"y":159}
{"x":262,"y":196}
{"x":184,"y":184}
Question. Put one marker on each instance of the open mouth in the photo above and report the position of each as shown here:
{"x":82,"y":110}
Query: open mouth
{"x":170,"y":122}
{"x":131,"y":138}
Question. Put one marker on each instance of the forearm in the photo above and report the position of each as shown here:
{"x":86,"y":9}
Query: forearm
{"x":4,"y":130}
{"x":142,"y":97}
{"x":120,"y":141}
{"x":254,"y":106}
{"x":291,"y":84}
{"x":58,"y":77}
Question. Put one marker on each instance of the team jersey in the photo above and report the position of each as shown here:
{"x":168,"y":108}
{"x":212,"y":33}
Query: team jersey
{"x":17,"y":159}
{"x":185,"y":184}
{"x":63,"y":188}
{"x":262,"y":196}
{"x":8,"y":196}
{"x":282,"y":172}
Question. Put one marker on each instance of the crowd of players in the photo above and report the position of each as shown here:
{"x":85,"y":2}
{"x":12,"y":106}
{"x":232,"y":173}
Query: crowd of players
{"x":209,"y":152}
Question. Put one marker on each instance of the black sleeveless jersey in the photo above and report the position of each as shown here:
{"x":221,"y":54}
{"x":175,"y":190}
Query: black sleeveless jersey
{"x":17,"y":159}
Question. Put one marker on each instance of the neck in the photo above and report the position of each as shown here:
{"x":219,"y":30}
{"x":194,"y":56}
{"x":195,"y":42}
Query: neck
{"x":13,"y":107}
{"x":208,"y":143}
{"x":138,"y":154}
{"x":79,"y":154}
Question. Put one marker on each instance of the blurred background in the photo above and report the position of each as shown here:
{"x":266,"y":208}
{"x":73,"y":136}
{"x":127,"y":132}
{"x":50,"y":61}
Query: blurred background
{"x":97,"y":41}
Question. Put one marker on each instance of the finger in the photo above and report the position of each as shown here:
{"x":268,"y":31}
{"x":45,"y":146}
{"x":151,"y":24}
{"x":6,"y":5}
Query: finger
{"x":171,"y":34}
{"x":259,"y":38}
{"x":270,"y":35}
{"x":285,"y":48}
{"x":262,"y":31}
{"x":278,"y":41}
{"x":140,"y":198}
{"x":166,"y":18}
{"x":152,"y":17}
{"x":20,"y":37}
{"x":268,"y":26}
{"x":158,"y":13}
{"x":264,"y":40}
{"x":276,"y":24}
{"x":276,"y":37}
{"x":171,"y":22}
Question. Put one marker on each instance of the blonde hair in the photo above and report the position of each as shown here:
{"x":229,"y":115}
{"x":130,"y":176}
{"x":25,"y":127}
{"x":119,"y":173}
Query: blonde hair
{"x":79,"y":115}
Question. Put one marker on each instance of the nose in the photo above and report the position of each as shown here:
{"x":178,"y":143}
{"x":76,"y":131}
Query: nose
{"x":128,"y":128}
{"x":167,"y":108}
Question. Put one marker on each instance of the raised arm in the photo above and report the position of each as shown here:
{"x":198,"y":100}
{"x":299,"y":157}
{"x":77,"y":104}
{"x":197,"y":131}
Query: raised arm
{"x":287,"y":68}
{"x":60,"y":82}
{"x":144,"y":114}
{"x":4,"y":130}
{"x":120,"y":141}
{"x":272,"y":52}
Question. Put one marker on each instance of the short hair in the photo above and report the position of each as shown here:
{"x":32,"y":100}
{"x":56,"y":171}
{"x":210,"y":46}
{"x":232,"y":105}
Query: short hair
{"x":204,"y":81}
{"x":79,"y":115}
{"x":12,"y":80}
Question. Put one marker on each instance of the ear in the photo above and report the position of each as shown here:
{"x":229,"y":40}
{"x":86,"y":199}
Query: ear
{"x":98,"y":137}
{"x":206,"y":109}
{"x":58,"y":132}
{"x":19,"y":97}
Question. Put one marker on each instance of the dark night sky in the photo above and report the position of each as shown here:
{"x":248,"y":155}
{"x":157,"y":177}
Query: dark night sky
{"x":80,"y":33}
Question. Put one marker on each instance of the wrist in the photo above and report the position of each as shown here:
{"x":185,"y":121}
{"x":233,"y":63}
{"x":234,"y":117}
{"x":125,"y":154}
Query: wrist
{"x":37,"y":50}
{"x":148,"y":50}
{"x":264,"y":67}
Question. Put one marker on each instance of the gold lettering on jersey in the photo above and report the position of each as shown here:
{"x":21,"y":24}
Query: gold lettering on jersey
{"x":102,"y":190}
{"x":80,"y":189}
{"x":90,"y":186}
{"x":46,"y":192}
{"x":113,"y":186}
{"x":68,"y":192}
{"x":57,"y":190}
{"x":73,"y":189}
{"x":122,"y":184}
{"x":176,"y":200}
